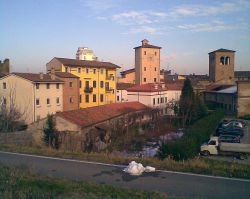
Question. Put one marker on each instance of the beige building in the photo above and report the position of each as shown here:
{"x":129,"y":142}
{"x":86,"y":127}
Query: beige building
{"x":221,"y":66}
{"x":147,"y":63}
{"x":33,"y":95}
{"x":243,"y":100}
{"x":127,"y":76}
{"x":84,"y":53}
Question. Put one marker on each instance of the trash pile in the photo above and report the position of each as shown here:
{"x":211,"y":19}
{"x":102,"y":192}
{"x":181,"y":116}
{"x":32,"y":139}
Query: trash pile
{"x":137,"y":169}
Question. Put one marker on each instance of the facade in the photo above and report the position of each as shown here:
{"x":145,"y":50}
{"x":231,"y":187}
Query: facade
{"x":70,"y":90}
{"x":84,"y":53}
{"x":33,"y":95}
{"x":127,"y":76}
{"x":158,"y":96}
{"x":121,"y":92}
{"x":243,"y":97}
{"x":97,"y":80}
{"x":241,"y":75}
{"x":147,"y":63}
{"x":4,"y":67}
{"x":221,"y":66}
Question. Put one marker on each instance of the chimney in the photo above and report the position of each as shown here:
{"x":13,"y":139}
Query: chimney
{"x":41,"y":75}
{"x":144,"y":42}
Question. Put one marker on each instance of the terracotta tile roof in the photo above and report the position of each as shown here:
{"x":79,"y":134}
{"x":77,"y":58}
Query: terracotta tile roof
{"x":147,"y":46}
{"x":123,"y":86}
{"x":94,"y":115}
{"x":217,"y":87}
{"x":65,"y":75}
{"x":85,"y":63}
{"x":35,"y":77}
{"x":222,"y":50}
{"x":151,"y":87}
{"x":127,"y":71}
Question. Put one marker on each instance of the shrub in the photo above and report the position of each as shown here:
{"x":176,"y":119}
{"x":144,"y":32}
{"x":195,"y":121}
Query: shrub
{"x":245,"y":117}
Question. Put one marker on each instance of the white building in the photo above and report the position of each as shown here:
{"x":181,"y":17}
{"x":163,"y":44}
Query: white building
{"x":33,"y":95}
{"x":84,"y":53}
{"x":121,"y":92}
{"x":155,"y":95}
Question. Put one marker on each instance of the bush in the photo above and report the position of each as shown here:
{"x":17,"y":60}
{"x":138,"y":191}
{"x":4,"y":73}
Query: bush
{"x":245,"y":117}
{"x":189,"y":145}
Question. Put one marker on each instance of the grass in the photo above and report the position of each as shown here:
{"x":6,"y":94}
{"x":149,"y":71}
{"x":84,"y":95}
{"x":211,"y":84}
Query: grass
{"x":20,"y":183}
{"x":197,"y":165}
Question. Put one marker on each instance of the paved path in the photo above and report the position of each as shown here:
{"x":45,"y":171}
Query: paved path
{"x":173,"y":183}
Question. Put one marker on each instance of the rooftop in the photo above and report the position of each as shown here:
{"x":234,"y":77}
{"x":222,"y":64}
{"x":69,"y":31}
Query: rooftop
{"x":94,"y":115}
{"x":36,"y":77}
{"x":222,"y":50}
{"x":65,"y":75}
{"x":123,"y":86}
{"x":86,"y":63}
{"x":127,"y":71}
{"x":145,"y":44}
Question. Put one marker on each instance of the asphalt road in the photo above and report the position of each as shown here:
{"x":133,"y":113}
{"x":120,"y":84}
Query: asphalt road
{"x":172,"y":183}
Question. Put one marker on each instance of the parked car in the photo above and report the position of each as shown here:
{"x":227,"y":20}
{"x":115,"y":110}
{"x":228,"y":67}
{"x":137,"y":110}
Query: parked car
{"x":229,"y":138}
{"x":232,"y":131}
{"x":233,"y":124}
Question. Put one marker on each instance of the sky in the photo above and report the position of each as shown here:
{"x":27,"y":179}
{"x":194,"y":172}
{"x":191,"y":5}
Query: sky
{"x":35,"y":31}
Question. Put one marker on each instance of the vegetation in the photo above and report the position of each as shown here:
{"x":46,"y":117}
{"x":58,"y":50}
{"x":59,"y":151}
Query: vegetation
{"x":196,"y":165}
{"x":20,"y":183}
{"x":245,"y":117}
{"x":189,"y":145}
{"x":51,"y":137}
{"x":191,"y":107}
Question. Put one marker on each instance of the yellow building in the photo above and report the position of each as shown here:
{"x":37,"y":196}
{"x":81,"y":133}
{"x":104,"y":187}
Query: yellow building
{"x":97,"y":79}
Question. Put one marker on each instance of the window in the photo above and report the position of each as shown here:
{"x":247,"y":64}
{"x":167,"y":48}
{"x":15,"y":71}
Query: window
{"x":87,"y":70}
{"x":212,"y":142}
{"x":155,"y":68}
{"x":153,"y":101}
{"x":80,"y":98}
{"x":79,"y":70}
{"x":48,"y":101}
{"x":162,"y":100}
{"x":101,"y":84}
{"x":57,"y":86}
{"x":94,"y":97}
{"x":94,"y":84}
{"x":87,"y":84}
{"x":4,"y":101}
{"x":70,"y":84}
{"x":117,"y":98}
{"x":145,"y":79}
{"x":145,"y":52}
{"x":71,"y":100}
{"x":101,"y":97}
{"x":37,"y":86}
{"x":158,"y":100}
{"x":4,"y":85}
{"x":154,"y":79}
{"x":101,"y":71}
{"x":227,"y":61}
{"x":166,"y":99}
{"x":37,"y":101}
{"x":57,"y":100}
{"x":80,"y":84}
{"x":222,"y":61}
{"x":155,"y":53}
{"x":48,"y":85}
{"x":66,"y":69}
{"x":144,"y":68}
{"x":94,"y":71}
{"x":87,"y":98}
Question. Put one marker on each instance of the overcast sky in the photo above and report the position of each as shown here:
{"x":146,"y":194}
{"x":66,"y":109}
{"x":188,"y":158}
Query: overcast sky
{"x":35,"y":31}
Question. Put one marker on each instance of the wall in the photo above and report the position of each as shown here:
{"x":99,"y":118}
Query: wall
{"x":19,"y":138}
{"x":20,"y":92}
{"x":122,"y":94}
{"x":54,"y":63}
{"x":129,"y":78}
{"x":243,"y":102}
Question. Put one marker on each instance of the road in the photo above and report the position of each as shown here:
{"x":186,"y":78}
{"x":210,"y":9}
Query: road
{"x":172,"y":183}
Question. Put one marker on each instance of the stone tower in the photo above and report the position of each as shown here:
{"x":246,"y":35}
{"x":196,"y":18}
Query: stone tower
{"x":5,"y":66}
{"x":147,"y":63}
{"x":221,"y":65}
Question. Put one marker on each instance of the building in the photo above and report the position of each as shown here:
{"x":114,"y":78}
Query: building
{"x":241,"y":75}
{"x":147,"y":63}
{"x":127,"y":76}
{"x":153,"y":95}
{"x":33,"y":95}
{"x":121,"y":92}
{"x":70,"y":90}
{"x":4,"y":67}
{"x":84,"y":53}
{"x":97,"y":80}
{"x":243,"y":97}
{"x":221,"y":66}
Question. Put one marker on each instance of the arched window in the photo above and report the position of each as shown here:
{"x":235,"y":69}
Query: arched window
{"x":222,"y":61}
{"x":227,"y":60}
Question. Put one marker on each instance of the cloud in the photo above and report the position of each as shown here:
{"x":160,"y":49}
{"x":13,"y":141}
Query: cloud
{"x":214,"y":26}
{"x":100,"y":5}
{"x":144,"y":29}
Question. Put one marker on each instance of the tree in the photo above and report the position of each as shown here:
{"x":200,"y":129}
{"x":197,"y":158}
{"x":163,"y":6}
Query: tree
{"x":51,"y":136}
{"x":186,"y":102}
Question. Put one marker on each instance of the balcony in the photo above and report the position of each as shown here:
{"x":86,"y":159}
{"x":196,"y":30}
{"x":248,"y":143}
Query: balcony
{"x":108,"y":89}
{"x":110,"y":77}
{"x":88,"y":89}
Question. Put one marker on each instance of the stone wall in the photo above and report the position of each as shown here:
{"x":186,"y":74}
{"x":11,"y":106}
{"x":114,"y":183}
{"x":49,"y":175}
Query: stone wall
{"x":18,"y":138}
